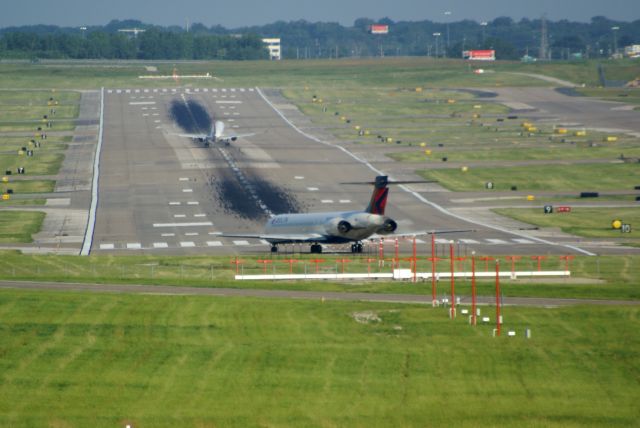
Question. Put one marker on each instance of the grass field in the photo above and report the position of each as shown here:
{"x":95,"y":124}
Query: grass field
{"x":162,"y":361}
{"x":18,"y":226}
{"x":579,"y":177}
{"x":617,"y":276}
{"x":588,"y":222}
{"x":29,"y":186}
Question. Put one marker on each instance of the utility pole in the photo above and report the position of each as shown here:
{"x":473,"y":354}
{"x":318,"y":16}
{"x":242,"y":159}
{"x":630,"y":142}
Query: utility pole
{"x":447,"y":14}
{"x":544,"y":40}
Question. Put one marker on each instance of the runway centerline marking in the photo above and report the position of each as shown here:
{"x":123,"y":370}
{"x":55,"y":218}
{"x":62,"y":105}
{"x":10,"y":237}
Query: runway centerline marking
{"x":187,"y":190}
{"x":168,"y":235}
{"x":192,"y":224}
{"x":141,"y":103}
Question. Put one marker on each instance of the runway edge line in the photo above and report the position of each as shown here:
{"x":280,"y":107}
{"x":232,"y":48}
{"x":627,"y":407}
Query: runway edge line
{"x":91,"y":223}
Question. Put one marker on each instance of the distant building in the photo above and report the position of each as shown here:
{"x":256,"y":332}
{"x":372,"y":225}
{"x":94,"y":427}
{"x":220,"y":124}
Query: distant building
{"x":273,"y":44}
{"x":632,"y":51}
{"x":379,"y":29}
{"x":480,"y":55}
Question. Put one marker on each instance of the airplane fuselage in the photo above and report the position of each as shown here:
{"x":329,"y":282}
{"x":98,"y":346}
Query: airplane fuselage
{"x":330,"y":227}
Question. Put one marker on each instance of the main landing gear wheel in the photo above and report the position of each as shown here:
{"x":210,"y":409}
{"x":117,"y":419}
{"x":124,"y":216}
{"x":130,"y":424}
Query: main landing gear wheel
{"x":274,"y":248}
{"x":316,"y":249}
{"x":356,"y":248}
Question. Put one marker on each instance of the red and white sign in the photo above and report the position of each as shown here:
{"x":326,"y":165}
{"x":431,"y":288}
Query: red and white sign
{"x":379,"y":29}
{"x":563,"y":209}
{"x":480,"y":55}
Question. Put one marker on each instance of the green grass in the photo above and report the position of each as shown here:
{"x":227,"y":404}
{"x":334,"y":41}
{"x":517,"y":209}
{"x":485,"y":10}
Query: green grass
{"x":82,"y":360}
{"x":29,"y":186}
{"x":42,"y":163}
{"x":38,"y":98}
{"x":620,"y":275}
{"x":18,"y":226}
{"x":26,"y":112}
{"x":579,"y":177}
{"x":622,"y":95}
{"x":587,"y":222}
{"x":22,"y":202}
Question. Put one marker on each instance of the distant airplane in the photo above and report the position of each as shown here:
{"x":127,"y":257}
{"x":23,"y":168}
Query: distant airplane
{"x":215,"y":135}
{"x":335,"y":227}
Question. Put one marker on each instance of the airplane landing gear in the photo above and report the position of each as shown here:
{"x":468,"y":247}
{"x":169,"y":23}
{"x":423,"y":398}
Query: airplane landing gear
{"x":316,"y":249}
{"x":356,"y":248}
{"x":274,"y":248}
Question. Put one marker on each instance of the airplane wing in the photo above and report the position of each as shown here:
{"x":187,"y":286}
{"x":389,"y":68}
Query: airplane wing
{"x":419,"y":233}
{"x":280,"y":238}
{"x":199,"y":136}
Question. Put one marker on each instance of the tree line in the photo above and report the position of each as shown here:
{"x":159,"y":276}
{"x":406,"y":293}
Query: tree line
{"x":151,"y":44}
{"x":306,"y":40}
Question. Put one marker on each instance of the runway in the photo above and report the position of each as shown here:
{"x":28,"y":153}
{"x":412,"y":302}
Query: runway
{"x":162,"y":193}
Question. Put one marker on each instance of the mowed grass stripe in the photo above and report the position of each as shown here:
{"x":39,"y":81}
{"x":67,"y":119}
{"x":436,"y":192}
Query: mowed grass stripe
{"x":584,"y":177}
{"x":102,"y":360}
{"x":19,"y":226}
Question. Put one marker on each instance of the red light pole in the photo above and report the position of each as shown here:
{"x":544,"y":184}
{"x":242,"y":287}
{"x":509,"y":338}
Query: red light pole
{"x":538,"y":258}
{"x":567,"y":260}
{"x":291,"y":263}
{"x":342,"y":262}
{"x":317,"y":262}
{"x":369,"y":261}
{"x":381,"y":253}
{"x":264,"y":264}
{"x":237,"y":263}
{"x":486,"y":260}
{"x":453,"y":281}
{"x":433,"y":259}
{"x":513,"y":260}
{"x":498,"y":316}
{"x":397,"y":260}
{"x":473,"y":288}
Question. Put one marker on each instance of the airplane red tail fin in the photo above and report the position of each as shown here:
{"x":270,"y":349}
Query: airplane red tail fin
{"x":379,"y":196}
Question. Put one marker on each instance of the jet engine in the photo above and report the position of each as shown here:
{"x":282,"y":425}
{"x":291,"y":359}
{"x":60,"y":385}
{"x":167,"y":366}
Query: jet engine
{"x":389,"y":226}
{"x":338,"y":226}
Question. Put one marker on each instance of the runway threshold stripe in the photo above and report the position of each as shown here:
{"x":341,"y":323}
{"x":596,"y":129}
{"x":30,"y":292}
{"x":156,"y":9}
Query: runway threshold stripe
{"x":141,"y":103}
{"x":107,"y":246}
{"x":214,"y":243}
{"x":193,"y":224}
{"x":160,"y":245}
{"x":187,"y":244}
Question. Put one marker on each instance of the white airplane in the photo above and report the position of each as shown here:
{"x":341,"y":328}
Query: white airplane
{"x":215,"y":135}
{"x":334,"y":227}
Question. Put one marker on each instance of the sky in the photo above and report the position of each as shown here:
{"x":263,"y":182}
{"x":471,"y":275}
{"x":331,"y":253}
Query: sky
{"x":240,"y":13}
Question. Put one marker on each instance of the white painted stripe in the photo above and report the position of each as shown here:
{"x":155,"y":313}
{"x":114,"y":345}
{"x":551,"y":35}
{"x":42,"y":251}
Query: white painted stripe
{"x":107,"y":246}
{"x":187,"y":190}
{"x":128,"y":91}
{"x":523,"y":241}
{"x":180,"y":215}
{"x":214,"y":243}
{"x":166,"y":235}
{"x":193,"y":224}
{"x":118,"y":91}
{"x":183,"y":179}
{"x":145,"y":114}
{"x":215,"y":233}
{"x":134,"y":246}
{"x":157,"y":121}
{"x":91,"y":223}
{"x":299,"y":177}
{"x":110,"y":91}
{"x":141,"y":103}
{"x":187,"y":244}
{"x":193,"y":203}
{"x":229,"y":102}
{"x":191,"y":234}
{"x":174,"y":203}
{"x":160,"y":245}
{"x":206,"y":89}
{"x":496,"y":241}
{"x":327,"y":201}
{"x":199,"y":215}
{"x":241,"y":243}
{"x":469,"y":241}
{"x":312,"y":189}
{"x":345,"y":201}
